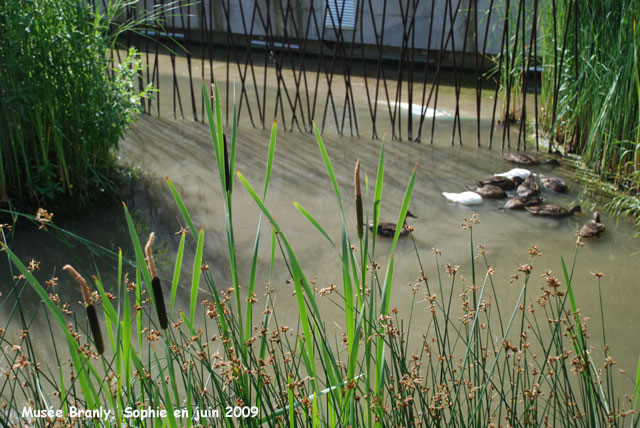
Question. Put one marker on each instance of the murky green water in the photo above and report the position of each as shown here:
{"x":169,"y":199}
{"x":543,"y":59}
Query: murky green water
{"x":181,"y":150}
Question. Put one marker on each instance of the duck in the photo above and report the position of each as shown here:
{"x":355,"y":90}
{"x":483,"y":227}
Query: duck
{"x":593,"y":228}
{"x":501,"y":181}
{"x":388,"y":230}
{"x":553,"y":184}
{"x":553,"y":210}
{"x":515,"y":172}
{"x":525,"y":159}
{"x":520,"y":202}
{"x":464,"y":198}
{"x":529,"y":187}
{"x":488,"y":191}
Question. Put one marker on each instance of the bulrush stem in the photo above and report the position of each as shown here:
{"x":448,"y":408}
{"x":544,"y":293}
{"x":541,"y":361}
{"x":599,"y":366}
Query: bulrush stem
{"x":92,"y":315}
{"x":158,"y":297}
{"x":226,"y":164}
{"x":358,"y":200}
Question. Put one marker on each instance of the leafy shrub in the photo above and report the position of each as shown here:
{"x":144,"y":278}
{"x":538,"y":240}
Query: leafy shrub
{"x":63,"y":106}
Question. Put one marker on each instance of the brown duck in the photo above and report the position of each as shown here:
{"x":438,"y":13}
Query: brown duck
{"x":505,"y":183}
{"x":520,"y":202}
{"x":593,"y":228}
{"x":529,"y":187}
{"x":388,"y":230}
{"x":525,"y":159}
{"x":488,"y":191}
{"x":553,"y":210}
{"x":553,"y":184}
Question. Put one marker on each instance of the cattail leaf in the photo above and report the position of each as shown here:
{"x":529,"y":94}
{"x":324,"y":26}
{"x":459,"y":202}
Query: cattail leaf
{"x":315,"y":223}
{"x":176,"y":271}
{"x":377,"y":198}
{"x":195,"y":278}
{"x":182,"y":207}
{"x":85,"y":384}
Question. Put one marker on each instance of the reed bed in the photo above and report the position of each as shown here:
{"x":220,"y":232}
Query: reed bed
{"x":591,"y":89}
{"x":476,"y":362}
{"x":64,"y":105}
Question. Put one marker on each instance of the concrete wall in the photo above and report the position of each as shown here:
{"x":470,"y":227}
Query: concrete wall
{"x":257,"y":13}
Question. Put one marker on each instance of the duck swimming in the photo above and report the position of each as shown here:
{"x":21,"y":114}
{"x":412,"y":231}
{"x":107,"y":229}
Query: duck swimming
{"x":501,"y":181}
{"x":520,"y":202}
{"x":529,"y":187}
{"x":515,"y":172}
{"x":388,"y":230}
{"x":464,"y":198}
{"x":593,"y":228}
{"x":553,"y":184}
{"x":488,"y":191}
{"x":525,"y":159}
{"x":553,"y":210}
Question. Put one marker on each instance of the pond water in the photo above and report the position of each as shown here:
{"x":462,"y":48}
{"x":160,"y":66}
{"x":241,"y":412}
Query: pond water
{"x":181,"y":150}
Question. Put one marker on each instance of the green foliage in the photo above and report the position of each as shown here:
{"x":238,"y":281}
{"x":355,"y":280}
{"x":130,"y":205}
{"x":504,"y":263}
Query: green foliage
{"x":64,"y":107}
{"x":591,"y":88}
{"x":443,"y":364}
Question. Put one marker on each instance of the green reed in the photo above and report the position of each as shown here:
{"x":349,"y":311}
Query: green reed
{"x":64,"y":106}
{"x":474,"y":362}
{"x":591,"y":89}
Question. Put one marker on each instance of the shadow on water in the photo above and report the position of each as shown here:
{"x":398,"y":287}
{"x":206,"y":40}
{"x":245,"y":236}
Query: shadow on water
{"x":182,"y":150}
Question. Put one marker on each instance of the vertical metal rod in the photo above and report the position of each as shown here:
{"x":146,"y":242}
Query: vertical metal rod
{"x":436,"y":82}
{"x":457,"y":78}
{"x":248,"y":36}
{"x":364,"y":69}
{"x":500,"y":61}
{"x":484,"y":54}
{"x":534,"y":39}
{"x":522,"y":135}
{"x":423,"y":110}
{"x":189,"y":54}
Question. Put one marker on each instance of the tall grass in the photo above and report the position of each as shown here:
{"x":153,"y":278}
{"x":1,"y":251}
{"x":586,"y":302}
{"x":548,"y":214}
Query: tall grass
{"x":475,"y":362}
{"x":591,"y":88}
{"x":63,"y":106}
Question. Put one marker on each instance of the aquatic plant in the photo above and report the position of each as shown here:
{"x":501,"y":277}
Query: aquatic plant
{"x":63,"y":104}
{"x":459,"y":358}
{"x":591,"y":89}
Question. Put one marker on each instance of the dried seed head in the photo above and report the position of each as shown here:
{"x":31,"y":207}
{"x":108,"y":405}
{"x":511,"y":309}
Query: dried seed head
{"x":359,"y":213}
{"x":155,"y":284}
{"x":148,"y":249}
{"x":357,"y":179}
{"x":84,"y":288}
{"x":227,"y":176}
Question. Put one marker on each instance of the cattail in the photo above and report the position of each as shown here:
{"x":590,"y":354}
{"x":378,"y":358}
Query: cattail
{"x":358,"y":200}
{"x":94,"y":324}
{"x":226,"y":164}
{"x":155,"y":284}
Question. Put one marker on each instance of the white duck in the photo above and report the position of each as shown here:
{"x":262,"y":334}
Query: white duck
{"x":516,"y":172}
{"x":464,"y":198}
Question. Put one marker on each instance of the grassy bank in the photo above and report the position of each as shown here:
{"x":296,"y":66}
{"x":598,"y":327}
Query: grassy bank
{"x":591,"y":89}
{"x":64,"y":107}
{"x":459,"y":358}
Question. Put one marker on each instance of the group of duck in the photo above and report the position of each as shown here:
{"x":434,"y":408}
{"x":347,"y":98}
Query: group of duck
{"x":526,"y":186}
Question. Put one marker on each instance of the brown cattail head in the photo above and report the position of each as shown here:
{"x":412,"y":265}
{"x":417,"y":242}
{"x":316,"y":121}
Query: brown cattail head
{"x":227,"y":176}
{"x":356,"y":179}
{"x":158,"y":296}
{"x":148,"y":249}
{"x":84,"y":288}
{"x":92,"y":316}
{"x":359,"y":216}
